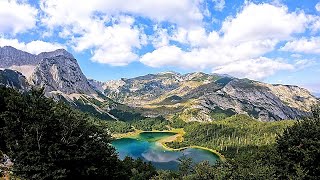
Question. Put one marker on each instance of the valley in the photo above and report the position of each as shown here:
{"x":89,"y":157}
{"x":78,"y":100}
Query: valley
{"x":160,"y":90}
{"x":164,"y":121}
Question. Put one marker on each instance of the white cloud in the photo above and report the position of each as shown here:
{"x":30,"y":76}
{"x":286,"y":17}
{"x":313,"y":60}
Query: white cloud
{"x":109,"y":29}
{"x":33,"y":47}
{"x":315,"y":24}
{"x":16,"y":17}
{"x":160,"y":37}
{"x":201,"y":58}
{"x":219,"y":4}
{"x":296,"y":55}
{"x":253,"y":32}
{"x":182,"y":12}
{"x":263,"y":21}
{"x":303,"y":63}
{"x":303,"y":45}
{"x":318,"y":6}
{"x":114,"y":43}
{"x":253,"y":68}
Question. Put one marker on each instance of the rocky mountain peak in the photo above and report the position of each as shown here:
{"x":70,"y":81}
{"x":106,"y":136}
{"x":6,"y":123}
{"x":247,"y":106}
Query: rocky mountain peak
{"x":63,"y":74}
{"x":13,"y":79}
{"x":58,"y":52}
{"x":10,"y":56}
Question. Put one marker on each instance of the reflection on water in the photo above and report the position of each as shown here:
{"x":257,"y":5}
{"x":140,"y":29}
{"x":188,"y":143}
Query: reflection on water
{"x":146,"y":148}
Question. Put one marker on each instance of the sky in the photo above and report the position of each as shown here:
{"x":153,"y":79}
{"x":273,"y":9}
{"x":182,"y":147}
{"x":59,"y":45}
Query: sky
{"x":274,"y":41}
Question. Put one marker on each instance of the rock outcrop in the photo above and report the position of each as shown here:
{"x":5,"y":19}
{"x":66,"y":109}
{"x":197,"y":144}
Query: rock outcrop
{"x":13,"y":79}
{"x":61,"y":74}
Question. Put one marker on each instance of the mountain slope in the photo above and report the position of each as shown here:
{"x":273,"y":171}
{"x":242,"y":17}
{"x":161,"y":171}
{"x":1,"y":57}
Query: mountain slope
{"x":61,"y":77}
{"x":13,"y":79}
{"x":191,"y":97}
{"x":205,"y":97}
{"x":61,"y":73}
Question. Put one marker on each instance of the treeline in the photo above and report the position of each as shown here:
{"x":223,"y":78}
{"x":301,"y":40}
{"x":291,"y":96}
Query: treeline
{"x":50,"y":140}
{"x":294,"y":154}
{"x":232,"y":135}
{"x":144,"y":124}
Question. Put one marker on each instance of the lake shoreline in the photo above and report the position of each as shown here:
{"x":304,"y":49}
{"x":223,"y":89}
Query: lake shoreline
{"x":178,"y":137}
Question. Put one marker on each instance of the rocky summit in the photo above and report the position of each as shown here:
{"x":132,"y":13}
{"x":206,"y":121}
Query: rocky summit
{"x":58,"y":73}
{"x":61,"y":73}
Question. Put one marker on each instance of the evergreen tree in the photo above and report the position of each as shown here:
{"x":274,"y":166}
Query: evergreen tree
{"x":49,"y":140}
{"x":298,"y":149}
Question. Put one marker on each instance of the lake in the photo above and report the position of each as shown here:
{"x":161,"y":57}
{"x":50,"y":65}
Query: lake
{"x":146,"y":147}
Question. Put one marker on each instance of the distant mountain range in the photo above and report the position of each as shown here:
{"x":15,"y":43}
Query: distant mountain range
{"x":191,"y":97}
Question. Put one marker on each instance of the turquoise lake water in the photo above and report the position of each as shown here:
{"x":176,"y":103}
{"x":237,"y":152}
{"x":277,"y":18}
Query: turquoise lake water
{"x":144,"y":146}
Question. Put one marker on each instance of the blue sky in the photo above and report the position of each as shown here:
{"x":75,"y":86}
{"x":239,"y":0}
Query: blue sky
{"x":275,"y":41}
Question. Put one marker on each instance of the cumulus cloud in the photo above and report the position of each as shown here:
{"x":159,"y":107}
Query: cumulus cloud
{"x":242,"y":42}
{"x":179,"y":35}
{"x":263,"y":21}
{"x":219,"y":4}
{"x":16,"y":17}
{"x":33,"y":47}
{"x":318,"y":6}
{"x":257,"y":69}
{"x":303,"y":45}
{"x":113,"y":38}
{"x":113,"y":44}
{"x":182,"y":12}
{"x":304,"y":63}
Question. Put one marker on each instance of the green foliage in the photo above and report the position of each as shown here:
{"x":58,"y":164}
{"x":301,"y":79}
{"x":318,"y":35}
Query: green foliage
{"x":148,"y":124}
{"x":220,"y":114}
{"x":84,"y":105}
{"x":177,"y":122}
{"x":138,"y":169}
{"x":185,"y":166}
{"x":232,"y":135}
{"x":118,"y":126}
{"x":49,"y":140}
{"x":170,"y":100}
{"x":126,"y":115}
{"x":298,"y":149}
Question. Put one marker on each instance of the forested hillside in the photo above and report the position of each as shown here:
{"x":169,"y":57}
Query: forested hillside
{"x":45,"y":139}
{"x":49,"y":140}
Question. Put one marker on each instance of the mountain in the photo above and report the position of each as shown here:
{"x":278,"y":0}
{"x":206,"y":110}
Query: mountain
{"x":206,"y":97}
{"x":12,"y":58}
{"x":190,"y":97}
{"x":13,"y":79}
{"x":59,"y":73}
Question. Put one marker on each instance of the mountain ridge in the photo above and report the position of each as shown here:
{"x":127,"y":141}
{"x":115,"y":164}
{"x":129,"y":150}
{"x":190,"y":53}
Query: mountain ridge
{"x":204,"y":94}
{"x":193,"y":96}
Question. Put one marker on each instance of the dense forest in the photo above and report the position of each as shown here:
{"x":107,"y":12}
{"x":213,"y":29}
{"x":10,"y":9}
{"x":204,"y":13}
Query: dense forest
{"x":50,"y":140}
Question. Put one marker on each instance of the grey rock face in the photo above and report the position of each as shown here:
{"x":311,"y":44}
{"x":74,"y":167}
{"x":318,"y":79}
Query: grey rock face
{"x":13,"y":79}
{"x":204,"y":93}
{"x":58,"y":52}
{"x":61,"y":73}
{"x":97,"y":85}
{"x":10,"y":56}
{"x":250,"y":98}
